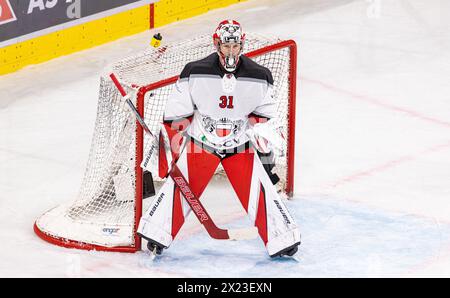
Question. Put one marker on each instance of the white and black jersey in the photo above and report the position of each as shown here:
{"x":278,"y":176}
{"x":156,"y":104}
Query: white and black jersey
{"x":221,"y":102}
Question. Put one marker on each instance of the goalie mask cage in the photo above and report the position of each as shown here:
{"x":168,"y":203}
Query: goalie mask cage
{"x":105,"y":214}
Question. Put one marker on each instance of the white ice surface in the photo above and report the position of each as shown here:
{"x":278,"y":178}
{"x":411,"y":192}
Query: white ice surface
{"x":373,"y":148}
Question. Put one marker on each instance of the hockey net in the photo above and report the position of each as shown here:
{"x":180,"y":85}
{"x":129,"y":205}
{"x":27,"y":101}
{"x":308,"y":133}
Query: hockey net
{"x":105,"y":214}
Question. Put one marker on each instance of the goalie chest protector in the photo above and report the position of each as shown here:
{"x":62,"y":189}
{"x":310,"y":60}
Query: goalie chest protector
{"x":221,"y":102}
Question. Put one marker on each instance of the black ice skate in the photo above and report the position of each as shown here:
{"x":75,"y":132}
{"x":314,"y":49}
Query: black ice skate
{"x":287,"y":252}
{"x":155,"y":248}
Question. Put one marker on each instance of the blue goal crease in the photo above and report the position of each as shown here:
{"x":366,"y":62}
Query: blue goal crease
{"x":339,"y":239}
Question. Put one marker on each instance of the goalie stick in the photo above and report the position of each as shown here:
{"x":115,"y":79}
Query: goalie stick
{"x":183,"y":185}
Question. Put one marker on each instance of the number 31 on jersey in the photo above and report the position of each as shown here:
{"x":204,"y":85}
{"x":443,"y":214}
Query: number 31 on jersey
{"x":226,"y":102}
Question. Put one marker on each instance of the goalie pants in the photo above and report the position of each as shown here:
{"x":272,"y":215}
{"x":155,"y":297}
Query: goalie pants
{"x":250,"y":181}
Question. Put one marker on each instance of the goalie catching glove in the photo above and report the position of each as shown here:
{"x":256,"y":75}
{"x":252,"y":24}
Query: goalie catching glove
{"x":268,"y":137}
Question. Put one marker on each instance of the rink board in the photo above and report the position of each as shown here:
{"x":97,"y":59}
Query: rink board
{"x":101,"y":28}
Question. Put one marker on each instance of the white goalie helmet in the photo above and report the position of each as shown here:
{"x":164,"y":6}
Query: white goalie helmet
{"x":229,"y":31}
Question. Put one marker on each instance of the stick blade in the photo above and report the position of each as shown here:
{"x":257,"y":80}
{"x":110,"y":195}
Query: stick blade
{"x":243,"y":234}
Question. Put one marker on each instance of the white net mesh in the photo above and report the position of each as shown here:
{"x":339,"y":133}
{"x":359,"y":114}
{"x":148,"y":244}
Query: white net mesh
{"x":104,"y":211}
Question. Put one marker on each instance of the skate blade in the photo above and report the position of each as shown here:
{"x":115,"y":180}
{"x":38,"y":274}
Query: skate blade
{"x":151,"y":255}
{"x":295,"y":258}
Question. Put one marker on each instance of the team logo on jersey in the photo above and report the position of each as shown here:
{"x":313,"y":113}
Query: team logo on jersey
{"x":222,"y":127}
{"x":6,"y":12}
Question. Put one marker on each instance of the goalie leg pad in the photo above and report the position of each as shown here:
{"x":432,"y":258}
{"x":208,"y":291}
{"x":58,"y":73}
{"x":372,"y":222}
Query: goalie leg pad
{"x":260,"y":199}
{"x":268,"y":161}
{"x":168,"y":210}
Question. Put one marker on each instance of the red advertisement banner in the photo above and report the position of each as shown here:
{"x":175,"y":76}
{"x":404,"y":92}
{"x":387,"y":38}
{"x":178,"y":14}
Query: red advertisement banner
{"x":6,"y":12}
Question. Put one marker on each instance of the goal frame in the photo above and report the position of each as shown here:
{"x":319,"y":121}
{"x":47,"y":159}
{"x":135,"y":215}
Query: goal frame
{"x":142,"y":91}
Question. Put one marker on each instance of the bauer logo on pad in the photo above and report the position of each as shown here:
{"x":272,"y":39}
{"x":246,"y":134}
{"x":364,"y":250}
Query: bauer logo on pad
{"x":6,"y":12}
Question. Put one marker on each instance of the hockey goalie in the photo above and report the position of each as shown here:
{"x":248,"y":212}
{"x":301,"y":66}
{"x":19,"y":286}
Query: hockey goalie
{"x":222,"y":110}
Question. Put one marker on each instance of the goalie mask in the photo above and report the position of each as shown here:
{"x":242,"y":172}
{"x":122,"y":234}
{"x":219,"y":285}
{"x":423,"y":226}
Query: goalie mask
{"x":229,"y":33}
